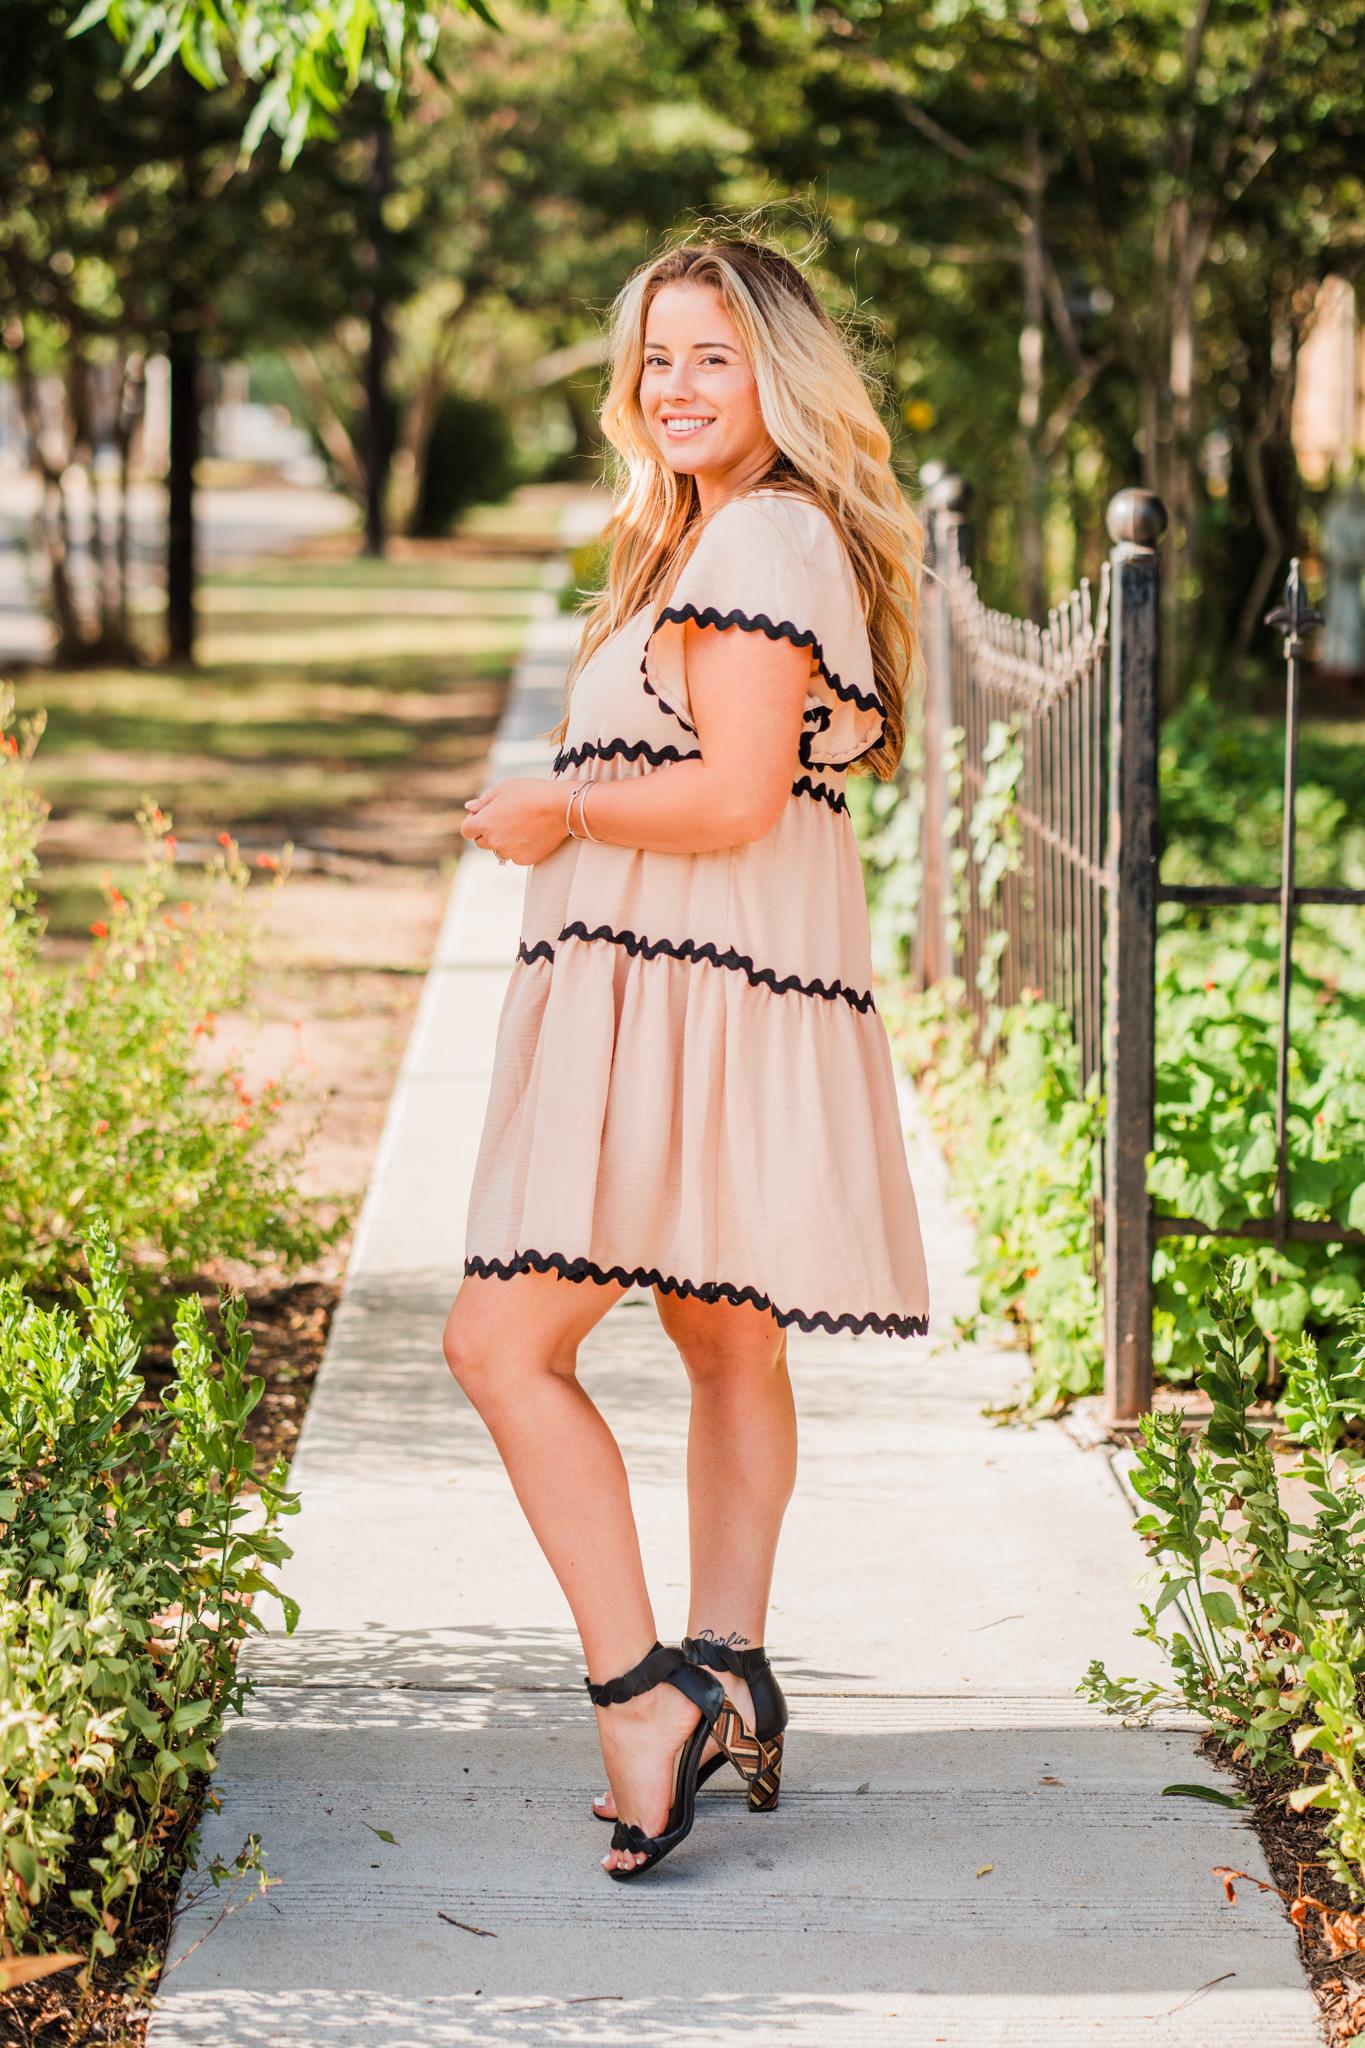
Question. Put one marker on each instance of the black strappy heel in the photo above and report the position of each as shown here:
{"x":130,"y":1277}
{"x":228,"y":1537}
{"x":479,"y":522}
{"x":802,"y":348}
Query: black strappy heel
{"x":664,"y":1666}
{"x":756,"y":1752}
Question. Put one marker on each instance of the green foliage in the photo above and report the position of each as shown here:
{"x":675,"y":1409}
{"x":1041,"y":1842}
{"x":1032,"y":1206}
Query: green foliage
{"x":888,"y":819}
{"x":1022,"y":1138}
{"x":1272,"y":1647}
{"x":103,"y":1102}
{"x":1155,"y":203}
{"x":1222,"y":788}
{"x":1023,"y":1141}
{"x":307,"y":60}
{"x":131,"y":1552}
{"x":1215,"y":1146}
{"x":469,"y":459}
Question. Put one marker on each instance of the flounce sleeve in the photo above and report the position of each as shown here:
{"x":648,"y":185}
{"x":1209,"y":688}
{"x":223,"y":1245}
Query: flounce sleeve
{"x":774,"y":563}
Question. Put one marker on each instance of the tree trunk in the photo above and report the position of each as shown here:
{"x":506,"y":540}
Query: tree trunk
{"x":53,"y":521}
{"x":378,"y":433}
{"x":180,"y":520}
{"x":127,"y":414}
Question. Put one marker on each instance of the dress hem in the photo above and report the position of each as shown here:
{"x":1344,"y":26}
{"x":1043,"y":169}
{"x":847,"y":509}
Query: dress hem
{"x":710,"y":1290}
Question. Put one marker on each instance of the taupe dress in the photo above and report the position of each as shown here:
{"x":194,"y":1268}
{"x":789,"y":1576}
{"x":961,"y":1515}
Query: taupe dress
{"x":693,"y":1087}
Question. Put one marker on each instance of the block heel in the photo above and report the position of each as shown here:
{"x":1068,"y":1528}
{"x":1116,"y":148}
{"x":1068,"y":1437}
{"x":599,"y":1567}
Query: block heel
{"x":756,"y":1753}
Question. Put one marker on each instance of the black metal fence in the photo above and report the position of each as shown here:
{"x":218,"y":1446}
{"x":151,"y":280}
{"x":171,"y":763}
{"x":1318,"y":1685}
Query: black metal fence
{"x":1040,"y":862}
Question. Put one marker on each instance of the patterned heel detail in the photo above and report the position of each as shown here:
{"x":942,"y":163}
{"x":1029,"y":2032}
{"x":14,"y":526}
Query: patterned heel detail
{"x":759,"y":1763}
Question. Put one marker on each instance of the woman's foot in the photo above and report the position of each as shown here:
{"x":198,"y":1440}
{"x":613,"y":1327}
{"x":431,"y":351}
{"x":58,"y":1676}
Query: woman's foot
{"x":641,"y":1739}
{"x":605,"y":1805}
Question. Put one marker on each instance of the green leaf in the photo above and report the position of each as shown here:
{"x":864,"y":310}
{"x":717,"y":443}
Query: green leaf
{"x":1221,"y":1609}
{"x":1208,"y":1792}
{"x":382,"y":1833}
{"x":190,"y":1714}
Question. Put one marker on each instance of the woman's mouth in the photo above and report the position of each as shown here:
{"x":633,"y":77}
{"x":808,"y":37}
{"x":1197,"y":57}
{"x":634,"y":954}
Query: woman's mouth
{"x":683,"y":425}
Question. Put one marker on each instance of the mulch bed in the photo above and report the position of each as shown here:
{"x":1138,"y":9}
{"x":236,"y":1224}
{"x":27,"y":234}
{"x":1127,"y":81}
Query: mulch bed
{"x":288,"y":1325}
{"x":1293,"y":1848}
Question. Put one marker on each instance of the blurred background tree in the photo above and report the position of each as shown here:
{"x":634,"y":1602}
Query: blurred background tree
{"x":1090,"y":236}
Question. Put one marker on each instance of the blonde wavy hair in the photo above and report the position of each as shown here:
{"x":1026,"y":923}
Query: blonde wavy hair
{"x":817,"y":405}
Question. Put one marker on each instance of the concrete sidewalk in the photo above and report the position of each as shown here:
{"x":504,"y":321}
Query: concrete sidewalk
{"x":941,"y":1586}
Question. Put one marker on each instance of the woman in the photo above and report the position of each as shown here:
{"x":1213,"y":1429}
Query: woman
{"x":692,"y":1087}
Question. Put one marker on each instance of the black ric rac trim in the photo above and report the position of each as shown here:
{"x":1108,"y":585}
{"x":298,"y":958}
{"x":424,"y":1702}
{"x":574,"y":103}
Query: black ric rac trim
{"x":692,"y":949}
{"x":783,"y":629}
{"x":805,"y":786}
{"x":629,"y":750}
{"x":710,"y":1290}
{"x":685,"y":723}
{"x":633,"y":750}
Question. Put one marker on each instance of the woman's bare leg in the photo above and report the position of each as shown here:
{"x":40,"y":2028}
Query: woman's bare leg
{"x":741,"y":1468}
{"x":513,"y":1347}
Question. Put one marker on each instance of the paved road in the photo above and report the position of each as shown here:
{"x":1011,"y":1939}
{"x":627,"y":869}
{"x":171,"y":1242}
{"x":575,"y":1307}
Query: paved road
{"x":964,"y":1853}
{"x":233,"y":524}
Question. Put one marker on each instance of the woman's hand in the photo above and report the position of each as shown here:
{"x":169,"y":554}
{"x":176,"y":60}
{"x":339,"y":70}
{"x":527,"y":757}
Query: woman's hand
{"x":520,"y":819}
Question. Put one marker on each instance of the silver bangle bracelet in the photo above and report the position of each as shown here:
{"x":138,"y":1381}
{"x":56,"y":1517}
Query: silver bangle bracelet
{"x":583,"y":816}
{"x":568,"y":810}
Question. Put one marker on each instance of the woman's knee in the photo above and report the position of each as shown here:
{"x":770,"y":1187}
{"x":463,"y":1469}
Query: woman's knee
{"x":714,"y":1358}
{"x":489,"y":1368}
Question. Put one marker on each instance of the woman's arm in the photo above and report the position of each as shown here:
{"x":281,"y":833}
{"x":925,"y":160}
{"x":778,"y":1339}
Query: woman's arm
{"x":747,"y":696}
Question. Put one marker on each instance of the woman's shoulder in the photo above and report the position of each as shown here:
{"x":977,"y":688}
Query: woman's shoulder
{"x":774,"y":521}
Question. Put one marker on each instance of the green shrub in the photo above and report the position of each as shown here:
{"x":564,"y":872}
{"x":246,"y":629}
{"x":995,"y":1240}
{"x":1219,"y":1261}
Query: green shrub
{"x":470,"y":459}
{"x":131,"y":1552}
{"x":1272,"y":1647}
{"x":1023,"y":1142}
{"x":102,"y":1097}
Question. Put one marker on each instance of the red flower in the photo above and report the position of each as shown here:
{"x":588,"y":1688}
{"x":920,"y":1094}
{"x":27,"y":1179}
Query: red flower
{"x":225,"y":839}
{"x":11,"y":744}
{"x":1210,"y":985}
{"x":266,"y":860}
{"x":118,"y":899}
{"x":171,"y":843}
{"x":185,"y":905}
{"x":100,"y":928}
{"x":101,"y":1127}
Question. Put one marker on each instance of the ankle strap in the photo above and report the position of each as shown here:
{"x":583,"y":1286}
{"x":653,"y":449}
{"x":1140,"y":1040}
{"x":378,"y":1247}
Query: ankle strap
{"x":653,"y":1668}
{"x":717,"y":1656}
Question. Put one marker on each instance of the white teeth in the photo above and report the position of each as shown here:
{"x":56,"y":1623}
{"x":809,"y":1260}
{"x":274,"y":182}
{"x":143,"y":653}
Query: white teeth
{"x":680,"y":427}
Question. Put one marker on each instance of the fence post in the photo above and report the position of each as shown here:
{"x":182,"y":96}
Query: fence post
{"x":1136,"y":520}
{"x":948,"y":532}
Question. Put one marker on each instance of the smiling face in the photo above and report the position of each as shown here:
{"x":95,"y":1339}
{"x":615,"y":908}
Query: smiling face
{"x":698,"y":394}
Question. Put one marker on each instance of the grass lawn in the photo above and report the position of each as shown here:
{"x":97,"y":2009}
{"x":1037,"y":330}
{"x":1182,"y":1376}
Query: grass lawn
{"x":341,"y":703}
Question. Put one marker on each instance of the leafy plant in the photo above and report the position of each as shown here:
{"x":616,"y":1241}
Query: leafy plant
{"x":133,"y":1548}
{"x":1023,"y":1141}
{"x":103,"y":1101}
{"x":1272,"y":1647}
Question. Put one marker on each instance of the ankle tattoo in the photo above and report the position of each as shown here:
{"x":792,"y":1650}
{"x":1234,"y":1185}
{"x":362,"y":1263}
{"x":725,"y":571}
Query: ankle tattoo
{"x":733,"y":1641}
